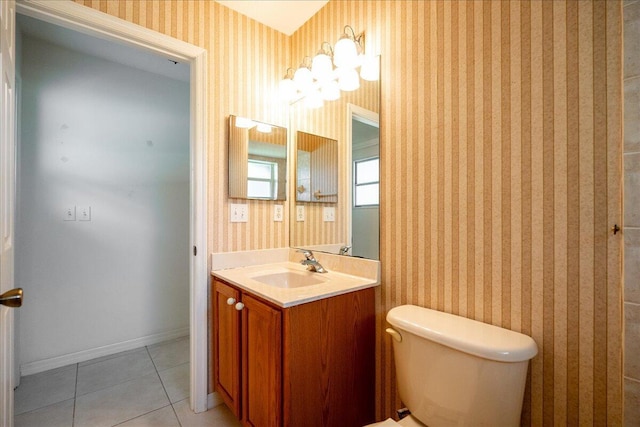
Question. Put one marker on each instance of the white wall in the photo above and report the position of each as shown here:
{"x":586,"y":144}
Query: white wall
{"x":100,"y":134}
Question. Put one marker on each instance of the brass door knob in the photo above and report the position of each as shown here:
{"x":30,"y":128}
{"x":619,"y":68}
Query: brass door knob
{"x":12,"y":298}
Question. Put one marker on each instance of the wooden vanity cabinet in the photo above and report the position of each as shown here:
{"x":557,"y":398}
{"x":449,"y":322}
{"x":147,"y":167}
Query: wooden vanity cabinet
{"x":307,"y":365}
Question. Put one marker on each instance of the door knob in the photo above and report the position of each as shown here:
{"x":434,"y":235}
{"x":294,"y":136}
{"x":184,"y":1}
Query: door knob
{"x":239,"y":306}
{"x":231,"y":301}
{"x":12,"y":298}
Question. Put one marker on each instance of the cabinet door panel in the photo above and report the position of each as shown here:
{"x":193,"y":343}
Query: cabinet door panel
{"x":261,"y":365}
{"x":227,"y":346}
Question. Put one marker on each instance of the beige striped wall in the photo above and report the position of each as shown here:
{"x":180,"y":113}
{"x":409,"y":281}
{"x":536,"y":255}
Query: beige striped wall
{"x":501,"y":168}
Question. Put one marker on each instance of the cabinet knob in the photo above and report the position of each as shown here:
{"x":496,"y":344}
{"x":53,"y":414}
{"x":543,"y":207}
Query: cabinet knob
{"x":231,"y":301}
{"x":239,"y":306}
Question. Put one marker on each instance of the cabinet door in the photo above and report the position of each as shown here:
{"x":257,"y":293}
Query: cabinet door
{"x":261,"y":364}
{"x":226,"y":341}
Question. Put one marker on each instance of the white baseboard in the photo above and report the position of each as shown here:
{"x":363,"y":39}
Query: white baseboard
{"x":213,"y":400}
{"x":84,"y":355}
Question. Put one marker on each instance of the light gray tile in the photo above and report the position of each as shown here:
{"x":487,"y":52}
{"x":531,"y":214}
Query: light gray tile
{"x":170,"y":353}
{"x":632,"y":190}
{"x":113,"y":405}
{"x":632,"y":341}
{"x":107,"y":373}
{"x":219,"y":416}
{"x":108,"y":356}
{"x":632,"y":40}
{"x":164,"y":417}
{"x":632,"y":115}
{"x":56,"y":415}
{"x":631,"y":403}
{"x":176,"y":382}
{"x":632,"y":265}
{"x":44,"y":389}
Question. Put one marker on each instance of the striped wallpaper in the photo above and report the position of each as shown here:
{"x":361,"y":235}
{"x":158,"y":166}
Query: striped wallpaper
{"x":501,"y":168}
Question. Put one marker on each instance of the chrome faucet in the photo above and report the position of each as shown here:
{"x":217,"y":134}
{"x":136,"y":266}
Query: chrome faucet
{"x":311,"y":262}
{"x":344,"y":250}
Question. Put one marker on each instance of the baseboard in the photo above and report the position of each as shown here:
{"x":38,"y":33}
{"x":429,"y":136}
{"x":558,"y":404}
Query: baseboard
{"x":213,"y":400}
{"x":84,"y":355}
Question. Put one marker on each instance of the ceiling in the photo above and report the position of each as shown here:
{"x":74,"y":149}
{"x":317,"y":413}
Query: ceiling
{"x":285,"y":16}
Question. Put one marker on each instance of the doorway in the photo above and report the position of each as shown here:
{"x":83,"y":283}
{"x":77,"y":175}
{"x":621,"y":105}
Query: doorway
{"x":77,"y":17}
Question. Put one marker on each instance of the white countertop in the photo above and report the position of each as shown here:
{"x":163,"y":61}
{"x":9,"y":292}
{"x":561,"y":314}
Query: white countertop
{"x":333,"y":283}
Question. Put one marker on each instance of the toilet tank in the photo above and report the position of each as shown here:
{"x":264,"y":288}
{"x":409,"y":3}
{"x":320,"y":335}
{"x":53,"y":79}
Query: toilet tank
{"x":454,"y":371}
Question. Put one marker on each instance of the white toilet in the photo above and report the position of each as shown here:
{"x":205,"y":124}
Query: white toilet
{"x":454,"y":371}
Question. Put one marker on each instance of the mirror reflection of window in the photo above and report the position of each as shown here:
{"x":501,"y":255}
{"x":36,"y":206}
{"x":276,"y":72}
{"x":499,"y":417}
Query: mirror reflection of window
{"x":367,"y":182}
{"x":262,"y":179}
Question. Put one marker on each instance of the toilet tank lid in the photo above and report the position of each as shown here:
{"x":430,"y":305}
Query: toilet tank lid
{"x":466,"y":335}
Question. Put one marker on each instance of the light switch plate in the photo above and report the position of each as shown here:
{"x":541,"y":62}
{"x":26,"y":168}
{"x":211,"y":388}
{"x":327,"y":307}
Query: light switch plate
{"x":70,"y":213}
{"x":329,"y":214}
{"x":278,"y":213}
{"x":239,"y":212}
{"x":84,"y":213}
{"x":300,"y":213}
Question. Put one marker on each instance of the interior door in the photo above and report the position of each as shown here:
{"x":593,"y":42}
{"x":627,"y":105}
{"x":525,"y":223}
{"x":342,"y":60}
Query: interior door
{"x":7,"y":205}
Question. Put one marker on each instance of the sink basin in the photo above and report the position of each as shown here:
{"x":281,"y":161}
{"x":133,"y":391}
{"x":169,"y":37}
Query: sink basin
{"x":290,"y":279}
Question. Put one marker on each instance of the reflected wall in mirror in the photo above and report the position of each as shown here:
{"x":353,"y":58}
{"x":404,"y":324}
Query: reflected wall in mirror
{"x":334,"y":121}
{"x":257,"y":160}
{"x":316,"y":168}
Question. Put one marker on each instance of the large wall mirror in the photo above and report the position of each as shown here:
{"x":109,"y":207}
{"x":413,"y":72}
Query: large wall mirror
{"x":257,"y":160}
{"x":353,"y":122}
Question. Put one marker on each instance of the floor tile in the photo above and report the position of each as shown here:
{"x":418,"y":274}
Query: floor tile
{"x":119,"y":403}
{"x":56,"y":415}
{"x":219,"y":416}
{"x":109,"y":356}
{"x":110,"y":372}
{"x":176,"y":382}
{"x":44,"y":389}
{"x":171,"y":353}
{"x":164,"y":417}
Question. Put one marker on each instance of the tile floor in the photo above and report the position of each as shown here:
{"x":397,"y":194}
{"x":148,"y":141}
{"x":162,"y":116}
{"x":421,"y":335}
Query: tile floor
{"x":143,"y":387}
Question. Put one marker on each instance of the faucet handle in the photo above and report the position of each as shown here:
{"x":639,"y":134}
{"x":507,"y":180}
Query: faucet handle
{"x":307,"y":253}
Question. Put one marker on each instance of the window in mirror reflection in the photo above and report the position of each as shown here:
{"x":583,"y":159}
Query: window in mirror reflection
{"x":262,"y":179}
{"x":367,"y":182}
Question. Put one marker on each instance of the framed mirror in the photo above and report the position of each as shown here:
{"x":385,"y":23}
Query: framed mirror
{"x":257,"y":160}
{"x":316,"y":168}
{"x":348,"y":221}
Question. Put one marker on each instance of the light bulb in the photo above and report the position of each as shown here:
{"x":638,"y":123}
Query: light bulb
{"x":348,"y":79}
{"x":303,"y":79}
{"x":330,"y":91}
{"x":313,"y":100}
{"x":264,"y":128}
{"x":244,"y":123}
{"x":321,"y":67}
{"x":345,"y":53}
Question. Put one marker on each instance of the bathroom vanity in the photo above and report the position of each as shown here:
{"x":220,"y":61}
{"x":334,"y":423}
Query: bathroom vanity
{"x":294,"y":355}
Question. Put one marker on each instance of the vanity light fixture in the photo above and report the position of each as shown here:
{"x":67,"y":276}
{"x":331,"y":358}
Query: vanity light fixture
{"x":332,"y":70}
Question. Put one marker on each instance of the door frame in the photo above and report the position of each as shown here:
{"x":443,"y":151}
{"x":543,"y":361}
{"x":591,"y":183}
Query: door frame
{"x":89,"y":21}
{"x":366,"y":116}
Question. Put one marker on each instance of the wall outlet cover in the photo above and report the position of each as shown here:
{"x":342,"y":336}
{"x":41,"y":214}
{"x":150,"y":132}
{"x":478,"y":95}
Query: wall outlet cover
{"x":278,"y":213}
{"x":329,"y":214}
{"x":70,"y":213}
{"x":300,"y":213}
{"x":239,"y":212}
{"x":84,"y":213}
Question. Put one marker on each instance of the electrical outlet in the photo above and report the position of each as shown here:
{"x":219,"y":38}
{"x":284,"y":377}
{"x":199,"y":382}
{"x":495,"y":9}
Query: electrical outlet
{"x":70,"y":213}
{"x":278,"y":213}
{"x":84,"y":213}
{"x":329,"y":214}
{"x":239,"y":213}
{"x":300,"y":213}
